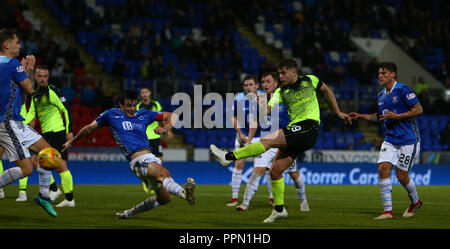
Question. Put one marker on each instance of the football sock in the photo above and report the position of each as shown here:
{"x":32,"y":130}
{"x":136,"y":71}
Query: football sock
{"x":412,"y":192}
{"x":67,"y":184}
{"x":278,"y":194}
{"x":23,"y":184}
{"x":300,"y":187}
{"x":53,"y":186}
{"x":250,"y":150}
{"x":174,"y":188}
{"x":251,"y":188}
{"x":1,"y":167}
{"x":269,"y":183}
{"x":146,"y":205}
{"x":386,"y":193}
{"x":236,"y":179}
{"x":44,"y":181}
{"x":10,"y":175}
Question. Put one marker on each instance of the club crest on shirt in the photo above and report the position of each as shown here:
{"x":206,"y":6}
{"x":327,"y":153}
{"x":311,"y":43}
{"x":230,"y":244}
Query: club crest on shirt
{"x":394,"y":99}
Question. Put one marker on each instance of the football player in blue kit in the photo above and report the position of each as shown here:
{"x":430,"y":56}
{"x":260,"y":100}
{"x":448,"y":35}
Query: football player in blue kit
{"x":397,"y":107}
{"x":128,"y":128}
{"x":16,"y":138}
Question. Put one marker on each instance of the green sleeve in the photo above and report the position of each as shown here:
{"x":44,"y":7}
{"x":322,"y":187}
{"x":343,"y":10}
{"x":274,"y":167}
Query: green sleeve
{"x":57,"y":101}
{"x":138,"y":106}
{"x":314,"y":79}
{"x":31,"y":114}
{"x":158,"y":106}
{"x":276,"y":98}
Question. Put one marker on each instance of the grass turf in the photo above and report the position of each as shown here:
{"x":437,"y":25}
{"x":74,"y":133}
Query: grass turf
{"x":332,"y":207}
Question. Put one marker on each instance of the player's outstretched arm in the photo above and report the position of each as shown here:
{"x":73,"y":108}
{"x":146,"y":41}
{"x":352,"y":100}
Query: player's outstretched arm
{"x":412,"y":112}
{"x":84,"y":132}
{"x":169,"y":120}
{"x":326,"y":90}
{"x":369,"y":117}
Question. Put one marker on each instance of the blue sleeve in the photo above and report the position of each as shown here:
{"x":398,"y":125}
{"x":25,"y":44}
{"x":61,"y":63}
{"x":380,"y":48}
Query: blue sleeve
{"x":409,"y":96}
{"x":19,"y":73}
{"x":103,"y":119}
{"x":152,"y":116}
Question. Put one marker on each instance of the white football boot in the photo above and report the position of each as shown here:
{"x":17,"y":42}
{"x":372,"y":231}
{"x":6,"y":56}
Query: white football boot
{"x":220,"y":155}
{"x":276,"y":215}
{"x":66,"y":203}
{"x":55,"y":194}
{"x":22,"y":196}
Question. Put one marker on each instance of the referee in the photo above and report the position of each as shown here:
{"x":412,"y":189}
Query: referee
{"x":47,"y":103}
{"x":154,"y":139}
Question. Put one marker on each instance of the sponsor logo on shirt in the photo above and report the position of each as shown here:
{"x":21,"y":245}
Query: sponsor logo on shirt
{"x":410,"y":96}
{"x":296,"y":128}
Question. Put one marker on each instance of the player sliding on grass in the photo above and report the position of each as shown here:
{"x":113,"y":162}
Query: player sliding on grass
{"x":398,"y":106}
{"x":298,"y":94}
{"x":129,"y":131}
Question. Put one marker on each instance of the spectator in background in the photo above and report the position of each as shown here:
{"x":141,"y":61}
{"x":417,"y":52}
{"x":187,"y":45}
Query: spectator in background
{"x":166,"y":34}
{"x":87,"y":94}
{"x":177,"y":42}
{"x":420,"y":86}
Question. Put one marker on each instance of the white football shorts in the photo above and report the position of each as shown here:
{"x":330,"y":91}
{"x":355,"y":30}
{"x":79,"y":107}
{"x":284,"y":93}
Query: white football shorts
{"x":140,"y":164}
{"x":401,"y":157}
{"x":265,"y":160}
{"x":15,"y":138}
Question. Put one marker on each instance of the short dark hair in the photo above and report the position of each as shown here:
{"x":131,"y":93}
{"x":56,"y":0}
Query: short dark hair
{"x":390,"y":66}
{"x":42,"y":66}
{"x":288,"y":63}
{"x":145,"y":87}
{"x":250,"y":77}
{"x":273,"y":74}
{"x":127,"y":94}
{"x":6,"y":34}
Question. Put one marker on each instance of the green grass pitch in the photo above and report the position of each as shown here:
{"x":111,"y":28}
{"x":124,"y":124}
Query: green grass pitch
{"x":332,"y":207}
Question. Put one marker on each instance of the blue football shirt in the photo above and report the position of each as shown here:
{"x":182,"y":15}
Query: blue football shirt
{"x":11,"y":97}
{"x":129,"y":132}
{"x":244,"y":110}
{"x":399,"y":100}
{"x":282,"y":119}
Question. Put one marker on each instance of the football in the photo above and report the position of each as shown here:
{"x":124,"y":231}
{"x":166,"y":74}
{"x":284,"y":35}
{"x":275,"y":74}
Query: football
{"x":49,"y":158}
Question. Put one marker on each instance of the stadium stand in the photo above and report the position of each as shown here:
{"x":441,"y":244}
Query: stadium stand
{"x":145,"y":42}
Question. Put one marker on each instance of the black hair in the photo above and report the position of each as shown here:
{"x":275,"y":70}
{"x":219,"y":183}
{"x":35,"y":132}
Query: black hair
{"x":250,"y":77}
{"x":390,"y":66}
{"x":6,"y":34}
{"x":288,"y":63}
{"x":127,"y":94}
